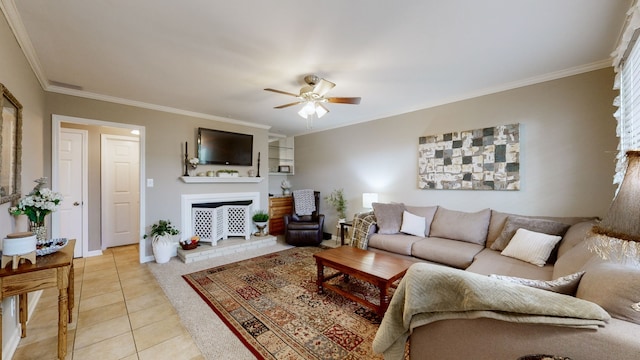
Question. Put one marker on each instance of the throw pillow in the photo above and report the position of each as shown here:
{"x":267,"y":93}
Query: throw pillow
{"x":463,"y":226}
{"x":615,"y":287}
{"x":514,"y":223}
{"x":427,"y":212}
{"x":412,"y":224}
{"x":531,"y":246}
{"x":565,"y":285}
{"x":388,"y":217}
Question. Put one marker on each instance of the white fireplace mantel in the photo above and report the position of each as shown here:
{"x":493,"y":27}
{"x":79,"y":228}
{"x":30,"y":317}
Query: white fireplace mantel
{"x":211,"y":179}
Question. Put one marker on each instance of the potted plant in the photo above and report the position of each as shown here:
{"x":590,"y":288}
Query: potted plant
{"x":162,"y":234}
{"x":260,"y":218}
{"x":339,"y":203}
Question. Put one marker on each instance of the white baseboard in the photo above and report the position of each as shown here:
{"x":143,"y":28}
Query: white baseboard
{"x":94,"y":253}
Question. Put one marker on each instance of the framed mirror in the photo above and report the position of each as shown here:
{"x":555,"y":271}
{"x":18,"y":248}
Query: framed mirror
{"x":10,"y":146}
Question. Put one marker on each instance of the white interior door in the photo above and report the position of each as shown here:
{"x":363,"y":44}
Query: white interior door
{"x":72,"y":183}
{"x":120,"y":190}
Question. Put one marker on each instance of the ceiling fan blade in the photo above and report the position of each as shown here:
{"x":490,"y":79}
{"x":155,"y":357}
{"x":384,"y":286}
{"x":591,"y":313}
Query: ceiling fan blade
{"x":281,"y":92}
{"x":323,"y":86}
{"x":344,"y":100}
{"x":287,"y":105}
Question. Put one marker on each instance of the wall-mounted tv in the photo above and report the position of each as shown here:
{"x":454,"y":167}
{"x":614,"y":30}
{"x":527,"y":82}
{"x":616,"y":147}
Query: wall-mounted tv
{"x":224,"y":148}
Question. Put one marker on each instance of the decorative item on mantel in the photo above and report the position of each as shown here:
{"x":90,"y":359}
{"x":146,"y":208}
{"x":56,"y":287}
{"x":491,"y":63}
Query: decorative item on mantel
{"x":39,"y":203}
{"x":286,"y":187}
{"x":227,"y":173}
{"x":190,"y":164}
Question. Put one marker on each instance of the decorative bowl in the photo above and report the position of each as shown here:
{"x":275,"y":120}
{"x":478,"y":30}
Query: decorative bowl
{"x":49,"y":246}
{"x":189,"y":246}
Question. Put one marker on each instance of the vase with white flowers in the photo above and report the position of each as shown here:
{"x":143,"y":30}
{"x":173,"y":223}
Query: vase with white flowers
{"x":39,"y":203}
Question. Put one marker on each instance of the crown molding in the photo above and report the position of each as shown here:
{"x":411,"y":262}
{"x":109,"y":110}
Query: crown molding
{"x":10,"y":11}
{"x":144,"y":105}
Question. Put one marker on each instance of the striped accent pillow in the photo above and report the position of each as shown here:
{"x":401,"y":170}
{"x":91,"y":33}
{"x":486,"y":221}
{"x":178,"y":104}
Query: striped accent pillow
{"x":530,"y":246}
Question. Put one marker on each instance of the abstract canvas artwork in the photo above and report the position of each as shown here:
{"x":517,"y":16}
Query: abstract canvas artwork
{"x":482,"y":159}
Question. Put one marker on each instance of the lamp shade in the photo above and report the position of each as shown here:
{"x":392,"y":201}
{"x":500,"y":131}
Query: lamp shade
{"x":368,"y":199}
{"x":618,"y":234}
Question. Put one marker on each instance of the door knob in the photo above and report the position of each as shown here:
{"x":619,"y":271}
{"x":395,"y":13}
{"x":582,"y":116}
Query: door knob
{"x":76,"y":203}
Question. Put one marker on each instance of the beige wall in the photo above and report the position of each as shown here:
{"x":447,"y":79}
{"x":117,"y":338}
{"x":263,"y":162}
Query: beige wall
{"x":165,"y":134}
{"x":567,"y":137}
{"x":16,"y":75}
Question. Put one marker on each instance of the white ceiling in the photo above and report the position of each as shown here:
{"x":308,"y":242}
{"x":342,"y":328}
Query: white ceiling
{"x":214,"y":58}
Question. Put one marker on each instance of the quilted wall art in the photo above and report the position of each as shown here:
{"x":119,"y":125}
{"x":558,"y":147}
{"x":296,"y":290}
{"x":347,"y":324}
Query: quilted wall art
{"x":482,"y":159}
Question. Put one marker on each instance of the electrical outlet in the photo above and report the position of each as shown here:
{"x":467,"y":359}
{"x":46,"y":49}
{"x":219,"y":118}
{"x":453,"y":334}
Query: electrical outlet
{"x":149,"y":182}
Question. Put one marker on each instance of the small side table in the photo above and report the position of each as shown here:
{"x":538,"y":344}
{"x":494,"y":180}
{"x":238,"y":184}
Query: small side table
{"x":343,"y":229}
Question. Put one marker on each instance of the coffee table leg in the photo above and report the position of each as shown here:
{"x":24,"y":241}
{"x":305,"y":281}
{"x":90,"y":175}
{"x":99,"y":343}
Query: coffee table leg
{"x":384,"y":299}
{"x":320,"y":279}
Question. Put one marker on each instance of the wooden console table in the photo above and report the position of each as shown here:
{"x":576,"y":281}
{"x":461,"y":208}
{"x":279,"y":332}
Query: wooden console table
{"x":53,"y":270}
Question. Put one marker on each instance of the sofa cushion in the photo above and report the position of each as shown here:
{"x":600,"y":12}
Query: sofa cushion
{"x":412,"y":224}
{"x":572,"y":260}
{"x":454,"y":253}
{"x":564,"y":285}
{"x":395,"y":243}
{"x":491,"y":262}
{"x":463,"y":226}
{"x":498,"y":219}
{"x":615,"y":287}
{"x":574,"y":236}
{"x":427,"y":212}
{"x":531,"y":246}
{"x":514,"y":223}
{"x":388,"y":217}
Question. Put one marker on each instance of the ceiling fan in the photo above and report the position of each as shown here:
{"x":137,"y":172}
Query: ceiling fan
{"x":313,"y":96}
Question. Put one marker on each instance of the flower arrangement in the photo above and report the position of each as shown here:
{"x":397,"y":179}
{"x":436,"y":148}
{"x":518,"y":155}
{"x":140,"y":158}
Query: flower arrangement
{"x":193,"y":162}
{"x":39,"y":203}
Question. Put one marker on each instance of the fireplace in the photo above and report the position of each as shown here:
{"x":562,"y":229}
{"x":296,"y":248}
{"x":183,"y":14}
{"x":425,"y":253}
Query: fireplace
{"x":219,"y":215}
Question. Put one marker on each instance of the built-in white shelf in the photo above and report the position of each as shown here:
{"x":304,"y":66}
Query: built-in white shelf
{"x":209,"y":179}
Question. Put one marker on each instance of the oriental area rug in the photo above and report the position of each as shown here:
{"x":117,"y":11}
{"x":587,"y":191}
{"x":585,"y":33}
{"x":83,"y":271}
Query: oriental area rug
{"x":271,"y":303}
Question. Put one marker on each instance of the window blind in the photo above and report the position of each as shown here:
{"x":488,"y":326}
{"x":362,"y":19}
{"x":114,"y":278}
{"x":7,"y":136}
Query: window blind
{"x":627,"y":65}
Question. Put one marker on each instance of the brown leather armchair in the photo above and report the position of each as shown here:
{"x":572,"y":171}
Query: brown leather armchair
{"x":304,"y":230}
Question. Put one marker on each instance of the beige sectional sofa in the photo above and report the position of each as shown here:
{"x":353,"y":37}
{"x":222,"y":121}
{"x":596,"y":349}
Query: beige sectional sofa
{"x":477,"y":242}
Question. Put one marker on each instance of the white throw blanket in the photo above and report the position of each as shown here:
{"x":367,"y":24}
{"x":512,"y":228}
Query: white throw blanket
{"x":430,"y":293}
{"x":305,"y":201}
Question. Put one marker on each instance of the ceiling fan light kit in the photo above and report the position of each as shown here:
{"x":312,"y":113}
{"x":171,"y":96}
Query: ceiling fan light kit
{"x":312,"y":96}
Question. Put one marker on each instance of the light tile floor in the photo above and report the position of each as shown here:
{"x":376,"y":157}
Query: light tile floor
{"x":120,"y":312}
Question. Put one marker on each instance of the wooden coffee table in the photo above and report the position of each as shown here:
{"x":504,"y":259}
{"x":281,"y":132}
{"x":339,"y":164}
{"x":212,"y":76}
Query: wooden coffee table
{"x":378,"y":269}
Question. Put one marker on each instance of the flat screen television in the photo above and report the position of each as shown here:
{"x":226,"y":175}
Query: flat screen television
{"x":224,"y":148}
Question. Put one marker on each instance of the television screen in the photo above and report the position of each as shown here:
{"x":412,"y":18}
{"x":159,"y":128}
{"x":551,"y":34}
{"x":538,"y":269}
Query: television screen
{"x":224,"y":148}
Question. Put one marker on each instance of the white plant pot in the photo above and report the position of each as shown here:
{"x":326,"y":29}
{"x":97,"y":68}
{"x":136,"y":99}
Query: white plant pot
{"x":18,"y":245}
{"x":162,"y":248}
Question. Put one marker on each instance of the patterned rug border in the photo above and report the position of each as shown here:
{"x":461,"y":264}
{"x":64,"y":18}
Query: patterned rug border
{"x":254,"y":345}
{"x":222,"y":317}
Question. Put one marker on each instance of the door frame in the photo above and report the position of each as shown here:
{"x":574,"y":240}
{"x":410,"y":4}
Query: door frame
{"x":103,"y":192}
{"x":56,"y":121}
{"x":55,"y":224}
